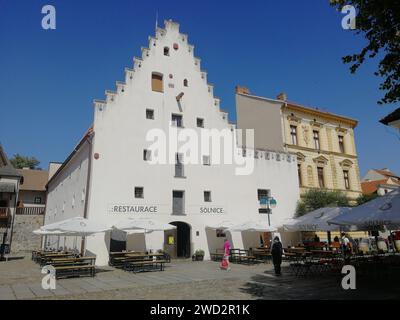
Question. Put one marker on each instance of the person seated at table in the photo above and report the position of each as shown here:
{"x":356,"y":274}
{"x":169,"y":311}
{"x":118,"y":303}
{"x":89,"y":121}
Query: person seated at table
{"x":316,"y":238}
{"x":336,"y":239}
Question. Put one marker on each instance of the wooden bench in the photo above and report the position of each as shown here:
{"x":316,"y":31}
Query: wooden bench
{"x":262,"y":255}
{"x":144,"y":265}
{"x":75,"y":271}
{"x":119,"y":261}
{"x":218,"y":255}
{"x":46,"y":259}
{"x":72,"y":261}
{"x":242,"y":256}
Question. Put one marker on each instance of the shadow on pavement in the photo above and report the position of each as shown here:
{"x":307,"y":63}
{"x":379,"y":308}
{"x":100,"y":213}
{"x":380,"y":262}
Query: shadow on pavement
{"x":324,"y":286}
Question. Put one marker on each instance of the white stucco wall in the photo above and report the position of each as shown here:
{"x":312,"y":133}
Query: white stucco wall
{"x":66,"y":194}
{"x":120,"y":128}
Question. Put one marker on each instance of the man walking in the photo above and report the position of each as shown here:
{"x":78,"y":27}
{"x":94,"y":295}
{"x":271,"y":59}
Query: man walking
{"x":277,"y":252}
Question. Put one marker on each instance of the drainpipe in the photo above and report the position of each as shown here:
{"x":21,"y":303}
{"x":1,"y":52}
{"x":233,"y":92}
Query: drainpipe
{"x":15,"y":213}
{"x":85,"y":211}
{"x":284,"y":127}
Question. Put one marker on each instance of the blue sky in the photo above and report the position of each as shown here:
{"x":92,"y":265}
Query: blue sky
{"x":48,"y":78}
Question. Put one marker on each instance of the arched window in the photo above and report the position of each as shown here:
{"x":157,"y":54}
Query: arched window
{"x":166,"y":51}
{"x":157,"y":82}
{"x":186,"y":83}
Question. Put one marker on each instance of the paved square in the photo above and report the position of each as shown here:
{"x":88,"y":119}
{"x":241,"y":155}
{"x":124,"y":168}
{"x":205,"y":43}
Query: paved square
{"x":184,"y":279}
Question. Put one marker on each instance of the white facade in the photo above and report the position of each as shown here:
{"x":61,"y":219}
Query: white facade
{"x":114,"y":157}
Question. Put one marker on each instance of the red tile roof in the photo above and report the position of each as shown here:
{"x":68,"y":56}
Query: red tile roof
{"x":387,"y":173}
{"x":369,"y":187}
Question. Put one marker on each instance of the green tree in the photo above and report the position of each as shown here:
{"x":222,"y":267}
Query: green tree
{"x":318,"y":198}
{"x":379,"y":22}
{"x":363,"y":198}
{"x":19,"y":162}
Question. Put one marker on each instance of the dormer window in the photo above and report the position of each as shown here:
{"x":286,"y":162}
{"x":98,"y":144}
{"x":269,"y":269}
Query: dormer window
{"x":185,"y":83}
{"x":157,"y":82}
{"x":166,"y":51}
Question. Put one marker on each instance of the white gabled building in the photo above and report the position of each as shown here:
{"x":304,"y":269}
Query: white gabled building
{"x":109,"y":172}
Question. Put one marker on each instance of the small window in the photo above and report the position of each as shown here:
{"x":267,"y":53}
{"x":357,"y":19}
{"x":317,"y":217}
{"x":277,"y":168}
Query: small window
{"x":321,"y":181}
{"x":83,"y":195}
{"x":185,"y":83}
{"x":316,"y":139}
{"x":157,"y":82}
{"x":176,"y":120}
{"x":206,"y":160}
{"x":37,"y":200}
{"x":73,"y":201}
{"x":166,"y":51}
{"x":299,"y":174}
{"x":139,"y":192}
{"x":207,"y":196}
{"x":346,"y":179}
{"x":150,"y":114}
{"x":200,"y":123}
{"x":293,"y":134}
{"x":341,"y":144}
{"x":146,"y":155}
{"x":179,"y":166}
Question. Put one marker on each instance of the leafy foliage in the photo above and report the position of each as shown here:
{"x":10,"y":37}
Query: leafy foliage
{"x":379,"y":22}
{"x":19,"y":162}
{"x":318,"y":198}
{"x":363,"y":198}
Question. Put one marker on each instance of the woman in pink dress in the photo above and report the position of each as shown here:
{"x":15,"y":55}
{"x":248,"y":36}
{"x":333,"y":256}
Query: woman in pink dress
{"x":225,"y":260}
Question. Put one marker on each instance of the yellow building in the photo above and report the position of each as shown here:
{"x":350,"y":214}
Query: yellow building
{"x":323,"y":142}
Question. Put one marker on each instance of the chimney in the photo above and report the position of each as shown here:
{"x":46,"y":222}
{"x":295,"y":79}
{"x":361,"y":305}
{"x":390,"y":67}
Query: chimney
{"x":242,"y":90}
{"x":282,"y":96}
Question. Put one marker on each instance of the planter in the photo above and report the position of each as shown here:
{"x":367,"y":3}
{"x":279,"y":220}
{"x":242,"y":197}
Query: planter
{"x":196,"y":257}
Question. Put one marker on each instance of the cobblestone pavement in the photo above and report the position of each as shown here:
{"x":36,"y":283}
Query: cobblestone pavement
{"x":21,"y":279}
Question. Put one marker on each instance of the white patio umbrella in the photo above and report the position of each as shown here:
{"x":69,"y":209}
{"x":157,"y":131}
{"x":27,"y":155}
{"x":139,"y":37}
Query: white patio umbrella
{"x":142,"y":224}
{"x":258,"y":226}
{"x":221,"y":225}
{"x":41,"y":232}
{"x":316,"y":220}
{"x":382,"y":211}
{"x":77,"y":226}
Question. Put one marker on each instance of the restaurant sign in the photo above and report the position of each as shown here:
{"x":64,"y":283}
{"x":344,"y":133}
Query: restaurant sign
{"x":133,"y":208}
{"x":207,"y":210}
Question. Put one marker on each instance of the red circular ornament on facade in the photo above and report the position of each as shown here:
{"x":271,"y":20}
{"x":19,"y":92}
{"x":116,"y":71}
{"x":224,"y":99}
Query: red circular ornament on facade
{"x":96,"y":156}
{"x":176,"y":46}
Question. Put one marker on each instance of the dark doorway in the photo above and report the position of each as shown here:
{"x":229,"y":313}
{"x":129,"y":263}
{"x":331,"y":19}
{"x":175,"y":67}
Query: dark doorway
{"x":183,"y":239}
{"x":117,"y":246}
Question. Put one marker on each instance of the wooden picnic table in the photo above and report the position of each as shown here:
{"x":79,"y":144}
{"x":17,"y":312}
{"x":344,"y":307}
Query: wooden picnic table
{"x":144,"y":254}
{"x":44,"y":259}
{"x":91,"y":259}
{"x":327,"y":252}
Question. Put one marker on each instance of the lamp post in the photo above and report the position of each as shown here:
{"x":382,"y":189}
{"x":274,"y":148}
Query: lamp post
{"x":268,"y":203}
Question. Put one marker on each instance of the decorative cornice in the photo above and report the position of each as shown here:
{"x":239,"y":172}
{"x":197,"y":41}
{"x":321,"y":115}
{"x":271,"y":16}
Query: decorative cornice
{"x":346,"y":164}
{"x":323,"y":114}
{"x":341,"y":130}
{"x":293,"y":120}
{"x":344,"y":155}
{"x":321,"y":160}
